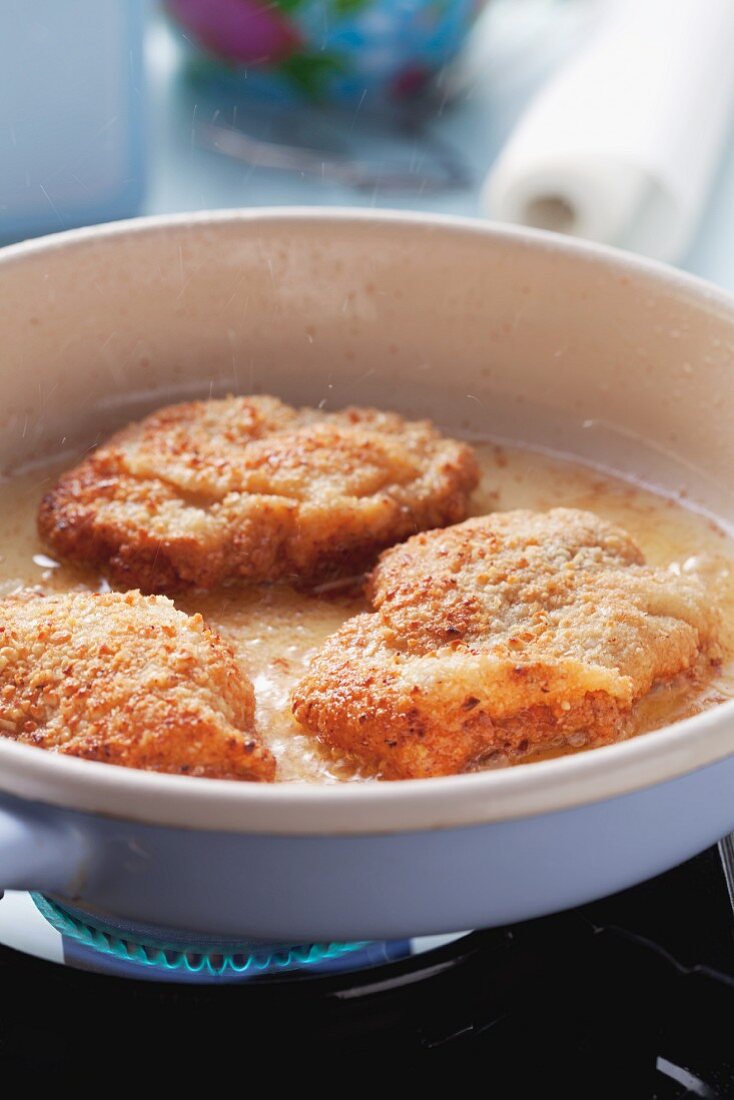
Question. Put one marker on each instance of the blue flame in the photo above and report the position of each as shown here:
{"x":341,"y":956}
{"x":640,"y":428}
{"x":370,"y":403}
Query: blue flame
{"x":214,"y":960}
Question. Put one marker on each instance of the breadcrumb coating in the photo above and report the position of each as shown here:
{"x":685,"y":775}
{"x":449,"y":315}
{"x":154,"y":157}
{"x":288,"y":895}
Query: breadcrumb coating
{"x":126,"y":679}
{"x":500,"y":637}
{"x":248,"y":488}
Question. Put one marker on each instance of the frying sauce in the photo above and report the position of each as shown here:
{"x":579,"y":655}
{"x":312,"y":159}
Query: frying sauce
{"x":274,"y":629}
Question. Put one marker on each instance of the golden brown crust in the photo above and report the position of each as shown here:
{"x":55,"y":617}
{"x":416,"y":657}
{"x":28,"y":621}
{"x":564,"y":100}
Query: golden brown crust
{"x":500,"y":637}
{"x":247,"y":488}
{"x":126,"y":679}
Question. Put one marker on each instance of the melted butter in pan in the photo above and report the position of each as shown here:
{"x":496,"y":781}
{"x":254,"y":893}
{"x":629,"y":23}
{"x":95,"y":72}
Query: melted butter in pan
{"x":275,"y":629}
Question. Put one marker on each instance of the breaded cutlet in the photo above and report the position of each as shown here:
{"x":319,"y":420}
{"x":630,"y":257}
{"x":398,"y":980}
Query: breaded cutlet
{"x":126,"y":679}
{"x":500,"y":637}
{"x":250,"y":489}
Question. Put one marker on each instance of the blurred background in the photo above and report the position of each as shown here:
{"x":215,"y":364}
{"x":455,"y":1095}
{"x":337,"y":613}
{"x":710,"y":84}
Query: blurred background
{"x":608,"y":119}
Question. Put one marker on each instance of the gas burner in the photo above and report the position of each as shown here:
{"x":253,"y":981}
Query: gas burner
{"x":109,"y":945}
{"x":146,"y":951}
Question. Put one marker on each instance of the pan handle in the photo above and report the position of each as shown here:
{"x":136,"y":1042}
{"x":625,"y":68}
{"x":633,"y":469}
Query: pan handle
{"x":38,"y":851}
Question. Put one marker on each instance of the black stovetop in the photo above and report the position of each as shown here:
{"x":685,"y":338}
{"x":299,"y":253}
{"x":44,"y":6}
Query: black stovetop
{"x":630,"y":996}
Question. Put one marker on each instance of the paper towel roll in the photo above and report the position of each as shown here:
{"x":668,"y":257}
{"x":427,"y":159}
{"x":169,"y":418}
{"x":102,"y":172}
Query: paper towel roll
{"x":622,"y":144}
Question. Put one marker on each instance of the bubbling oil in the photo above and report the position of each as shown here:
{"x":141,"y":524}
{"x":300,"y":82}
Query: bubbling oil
{"x":275,"y":629}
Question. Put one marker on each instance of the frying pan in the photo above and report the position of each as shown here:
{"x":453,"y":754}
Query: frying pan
{"x":490,"y":331}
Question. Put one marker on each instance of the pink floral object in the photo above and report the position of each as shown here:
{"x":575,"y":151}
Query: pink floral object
{"x":238,"y":31}
{"x":411,"y":81}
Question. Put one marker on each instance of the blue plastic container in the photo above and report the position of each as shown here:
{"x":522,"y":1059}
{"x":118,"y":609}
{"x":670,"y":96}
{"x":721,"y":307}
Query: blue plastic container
{"x":71,"y":113}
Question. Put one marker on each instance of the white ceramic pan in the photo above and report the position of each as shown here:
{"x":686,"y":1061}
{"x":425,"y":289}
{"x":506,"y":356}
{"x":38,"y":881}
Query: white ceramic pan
{"x":512,"y":333}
